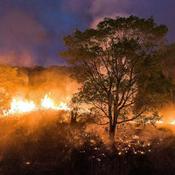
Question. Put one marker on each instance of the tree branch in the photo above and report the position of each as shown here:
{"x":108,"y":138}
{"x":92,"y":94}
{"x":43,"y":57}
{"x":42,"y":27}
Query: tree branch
{"x":131,"y":119}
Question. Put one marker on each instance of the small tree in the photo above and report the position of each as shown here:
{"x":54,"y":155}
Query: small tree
{"x":119,"y":66}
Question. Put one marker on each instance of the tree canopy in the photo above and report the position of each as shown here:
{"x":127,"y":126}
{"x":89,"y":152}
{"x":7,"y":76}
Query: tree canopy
{"x":120,"y":67}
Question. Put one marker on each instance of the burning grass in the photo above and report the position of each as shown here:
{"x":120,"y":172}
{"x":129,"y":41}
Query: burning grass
{"x":37,"y":137}
{"x":30,"y":89}
{"x":44,"y":142}
{"x":20,"y":106}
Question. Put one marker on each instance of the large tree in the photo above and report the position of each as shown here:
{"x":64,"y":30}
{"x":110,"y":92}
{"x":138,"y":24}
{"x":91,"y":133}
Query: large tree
{"x":119,"y":66}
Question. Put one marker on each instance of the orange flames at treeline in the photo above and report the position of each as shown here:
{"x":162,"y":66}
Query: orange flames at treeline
{"x":20,"y":106}
{"x":25,"y":90}
{"x":41,"y":89}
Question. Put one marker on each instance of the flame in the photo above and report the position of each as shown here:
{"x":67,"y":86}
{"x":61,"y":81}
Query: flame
{"x":20,"y":106}
{"x":168,"y":115}
{"x":172,"y":122}
{"x":48,"y":103}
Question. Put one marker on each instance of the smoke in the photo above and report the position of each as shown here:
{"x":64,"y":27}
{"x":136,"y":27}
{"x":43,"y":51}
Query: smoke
{"x":34,"y":84}
{"x":54,"y":81}
{"x":95,"y":11}
{"x":107,"y":8}
{"x":139,"y":8}
{"x":19,"y":34}
{"x":98,"y":9}
{"x":99,"y":19}
{"x":31,"y":32}
{"x":113,"y":8}
{"x":22,"y":58}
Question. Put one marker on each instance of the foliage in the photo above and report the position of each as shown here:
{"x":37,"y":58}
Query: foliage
{"x":119,"y":66}
{"x":57,"y":148}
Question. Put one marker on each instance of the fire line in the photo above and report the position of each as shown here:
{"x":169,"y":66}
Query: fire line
{"x":20,"y":106}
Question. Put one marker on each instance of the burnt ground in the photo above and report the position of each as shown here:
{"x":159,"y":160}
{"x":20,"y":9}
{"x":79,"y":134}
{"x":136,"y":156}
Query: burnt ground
{"x":61,"y":149}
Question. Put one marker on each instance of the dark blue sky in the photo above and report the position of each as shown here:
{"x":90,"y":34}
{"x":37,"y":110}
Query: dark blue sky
{"x":32,"y":31}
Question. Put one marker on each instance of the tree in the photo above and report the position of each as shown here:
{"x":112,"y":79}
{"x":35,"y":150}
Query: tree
{"x":119,"y":66}
{"x":169,"y":67}
{"x":12,"y":80}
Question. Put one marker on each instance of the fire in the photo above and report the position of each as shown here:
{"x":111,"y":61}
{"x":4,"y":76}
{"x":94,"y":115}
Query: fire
{"x":20,"y":106}
{"x":161,"y":122}
{"x":172,"y":122}
{"x":48,"y":103}
{"x":168,"y":114}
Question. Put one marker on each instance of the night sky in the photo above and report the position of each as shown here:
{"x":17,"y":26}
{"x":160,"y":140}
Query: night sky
{"x":32,"y":31}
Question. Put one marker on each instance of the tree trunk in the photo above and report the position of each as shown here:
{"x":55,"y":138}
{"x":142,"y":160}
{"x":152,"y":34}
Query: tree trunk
{"x":112,"y":129}
{"x":73,"y":118}
{"x":112,"y":119}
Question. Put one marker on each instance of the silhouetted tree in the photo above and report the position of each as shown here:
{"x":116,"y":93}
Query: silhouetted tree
{"x":119,"y":66}
{"x":169,"y":67}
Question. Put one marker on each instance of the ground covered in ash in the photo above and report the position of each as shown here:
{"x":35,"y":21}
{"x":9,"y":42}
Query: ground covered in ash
{"x":39,"y":145}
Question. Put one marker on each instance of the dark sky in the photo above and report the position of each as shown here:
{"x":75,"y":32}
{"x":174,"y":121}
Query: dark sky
{"x":32,"y":31}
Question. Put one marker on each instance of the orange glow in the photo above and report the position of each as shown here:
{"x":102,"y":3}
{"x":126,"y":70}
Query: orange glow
{"x":172,"y":122}
{"x":48,"y":103}
{"x":169,"y":122}
{"x":20,"y":106}
{"x":168,"y":115}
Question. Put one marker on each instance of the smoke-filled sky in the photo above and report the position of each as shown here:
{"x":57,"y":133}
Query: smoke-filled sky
{"x":32,"y":31}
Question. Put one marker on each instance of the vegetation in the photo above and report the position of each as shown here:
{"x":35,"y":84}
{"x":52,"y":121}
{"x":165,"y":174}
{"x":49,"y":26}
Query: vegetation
{"x":120,"y":68}
{"x":36,"y":145}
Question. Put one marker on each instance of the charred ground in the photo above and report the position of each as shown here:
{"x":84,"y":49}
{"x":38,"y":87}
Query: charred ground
{"x":43,"y":144}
